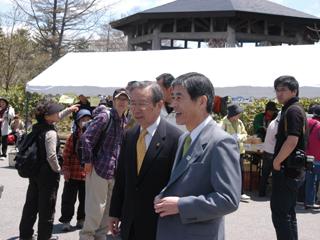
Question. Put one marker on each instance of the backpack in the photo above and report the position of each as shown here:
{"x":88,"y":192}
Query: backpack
{"x":27,"y":162}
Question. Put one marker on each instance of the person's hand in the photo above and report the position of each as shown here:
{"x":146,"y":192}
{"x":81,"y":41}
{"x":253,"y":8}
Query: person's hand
{"x":66,"y":175}
{"x":1,"y":119}
{"x":235,"y":137}
{"x":88,"y":168}
{"x":113,"y":225}
{"x":238,"y":137}
{"x":74,"y":108}
{"x":276,"y":165}
{"x":166,"y":206}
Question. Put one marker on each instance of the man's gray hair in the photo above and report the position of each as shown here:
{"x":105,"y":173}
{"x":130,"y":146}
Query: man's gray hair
{"x":157,"y":94}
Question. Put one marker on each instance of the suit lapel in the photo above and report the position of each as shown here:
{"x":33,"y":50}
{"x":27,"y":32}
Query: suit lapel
{"x":195,"y":151}
{"x":155,"y":147}
{"x":134,"y":139}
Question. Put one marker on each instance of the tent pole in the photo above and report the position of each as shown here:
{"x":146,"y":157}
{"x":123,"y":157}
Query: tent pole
{"x":28,"y":95}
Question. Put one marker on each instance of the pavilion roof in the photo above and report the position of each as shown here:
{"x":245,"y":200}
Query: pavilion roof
{"x":189,"y":8}
{"x":253,"y":6}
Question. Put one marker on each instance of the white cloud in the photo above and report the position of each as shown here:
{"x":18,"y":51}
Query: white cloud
{"x":4,"y":1}
{"x":125,"y":7}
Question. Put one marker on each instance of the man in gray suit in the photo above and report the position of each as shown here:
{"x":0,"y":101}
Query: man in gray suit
{"x":205,"y":182}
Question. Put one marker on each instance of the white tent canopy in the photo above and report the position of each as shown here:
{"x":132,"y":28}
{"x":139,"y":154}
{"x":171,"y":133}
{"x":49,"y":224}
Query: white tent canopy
{"x":248,"y":71}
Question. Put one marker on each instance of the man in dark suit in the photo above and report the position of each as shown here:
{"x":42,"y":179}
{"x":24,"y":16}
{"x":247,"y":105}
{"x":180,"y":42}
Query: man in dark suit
{"x":145,"y":163}
{"x":205,"y":182}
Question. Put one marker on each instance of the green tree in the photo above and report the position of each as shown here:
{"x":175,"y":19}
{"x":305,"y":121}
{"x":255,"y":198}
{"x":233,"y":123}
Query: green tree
{"x":59,"y":24}
{"x":20,"y":56}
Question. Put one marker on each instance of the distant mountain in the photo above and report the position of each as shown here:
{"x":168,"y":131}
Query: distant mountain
{"x":261,"y":92}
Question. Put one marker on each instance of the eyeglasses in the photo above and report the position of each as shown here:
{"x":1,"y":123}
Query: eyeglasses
{"x":139,"y":104}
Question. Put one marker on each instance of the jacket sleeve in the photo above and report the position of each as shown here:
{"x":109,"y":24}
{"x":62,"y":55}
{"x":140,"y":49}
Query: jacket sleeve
{"x":258,"y":123}
{"x":117,"y":196}
{"x":51,"y":150}
{"x":243,"y":133}
{"x":11,"y":114}
{"x":91,"y":136}
{"x":64,"y":113}
{"x":67,"y":152}
{"x":225,"y":178}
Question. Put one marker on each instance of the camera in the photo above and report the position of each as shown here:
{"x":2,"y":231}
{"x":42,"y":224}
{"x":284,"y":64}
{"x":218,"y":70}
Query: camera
{"x":297,"y":159}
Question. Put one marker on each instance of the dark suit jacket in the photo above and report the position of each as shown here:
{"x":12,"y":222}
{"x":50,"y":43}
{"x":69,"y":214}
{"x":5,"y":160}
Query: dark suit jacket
{"x":133,"y":195}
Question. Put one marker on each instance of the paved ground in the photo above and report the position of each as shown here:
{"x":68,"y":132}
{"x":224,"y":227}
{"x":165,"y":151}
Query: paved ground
{"x":251,"y":221}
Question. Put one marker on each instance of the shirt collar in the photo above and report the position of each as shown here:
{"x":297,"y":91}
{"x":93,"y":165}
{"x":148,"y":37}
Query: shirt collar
{"x":289,"y":103}
{"x":195,"y":132}
{"x":153,"y":127}
{"x":164,"y":112}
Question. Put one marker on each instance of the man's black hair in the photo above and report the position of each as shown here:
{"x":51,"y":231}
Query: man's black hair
{"x":197,"y":85}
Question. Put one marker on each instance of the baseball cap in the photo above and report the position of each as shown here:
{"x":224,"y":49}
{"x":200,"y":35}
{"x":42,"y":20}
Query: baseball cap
{"x":53,"y":108}
{"x":82,"y":113}
{"x":120,"y":91}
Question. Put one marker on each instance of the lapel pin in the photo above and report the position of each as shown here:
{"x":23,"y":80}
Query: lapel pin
{"x":158,"y":145}
{"x":188,"y":157}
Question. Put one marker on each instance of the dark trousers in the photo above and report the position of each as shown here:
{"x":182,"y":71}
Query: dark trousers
{"x":267,"y":166}
{"x":242,"y":173}
{"x":41,"y":199}
{"x":4,"y":143}
{"x":283,"y":202}
{"x":132,"y":235}
{"x":71,"y":190}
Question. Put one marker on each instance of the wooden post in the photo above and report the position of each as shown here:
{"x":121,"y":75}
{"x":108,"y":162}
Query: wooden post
{"x":266,"y":30}
{"x":175,"y":25}
{"x":156,"y":43}
{"x":129,"y":44}
{"x":211,"y":25}
{"x":192,"y":25}
{"x":231,"y":36}
{"x":299,"y":38}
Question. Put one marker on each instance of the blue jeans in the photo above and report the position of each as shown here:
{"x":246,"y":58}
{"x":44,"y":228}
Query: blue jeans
{"x":312,"y":179}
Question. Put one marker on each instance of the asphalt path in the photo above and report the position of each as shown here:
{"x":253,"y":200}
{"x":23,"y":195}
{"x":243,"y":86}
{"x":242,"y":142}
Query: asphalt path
{"x":251,"y":221}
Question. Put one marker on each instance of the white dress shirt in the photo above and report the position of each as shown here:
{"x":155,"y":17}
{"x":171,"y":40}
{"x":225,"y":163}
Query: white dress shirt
{"x":195,"y":132}
{"x":151,"y":130}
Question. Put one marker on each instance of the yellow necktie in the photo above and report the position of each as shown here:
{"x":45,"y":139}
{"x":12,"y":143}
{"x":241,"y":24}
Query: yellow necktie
{"x":186,"y":145}
{"x":141,"y":148}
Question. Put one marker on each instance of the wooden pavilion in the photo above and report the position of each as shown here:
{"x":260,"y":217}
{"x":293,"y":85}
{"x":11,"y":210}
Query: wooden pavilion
{"x":217,"y":23}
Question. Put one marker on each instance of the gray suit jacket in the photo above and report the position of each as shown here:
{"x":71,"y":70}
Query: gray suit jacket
{"x":208,"y":181}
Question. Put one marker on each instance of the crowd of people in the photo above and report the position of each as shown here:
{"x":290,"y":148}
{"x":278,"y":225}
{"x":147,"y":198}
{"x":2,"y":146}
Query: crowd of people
{"x":155,"y":165}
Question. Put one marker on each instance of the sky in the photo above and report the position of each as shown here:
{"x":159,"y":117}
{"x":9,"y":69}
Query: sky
{"x":126,"y":7}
